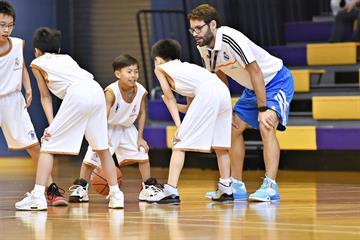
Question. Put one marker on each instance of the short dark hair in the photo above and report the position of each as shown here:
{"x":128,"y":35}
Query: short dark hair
{"x":167,"y":49}
{"x":7,"y":9}
{"x":205,"y":12}
{"x":47,"y":40}
{"x":124,"y":60}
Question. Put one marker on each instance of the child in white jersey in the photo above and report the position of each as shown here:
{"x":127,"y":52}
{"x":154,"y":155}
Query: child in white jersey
{"x":14,"y":118}
{"x":206,"y":125}
{"x":82,"y":112}
{"x":125,"y":101}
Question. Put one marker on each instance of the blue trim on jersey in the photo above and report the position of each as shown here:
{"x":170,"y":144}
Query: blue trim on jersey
{"x":279,"y":93}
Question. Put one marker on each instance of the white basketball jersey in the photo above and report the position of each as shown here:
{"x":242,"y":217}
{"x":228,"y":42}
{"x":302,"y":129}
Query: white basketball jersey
{"x":62,"y":71}
{"x":11,"y":67}
{"x":187,"y":77}
{"x":124,"y":113}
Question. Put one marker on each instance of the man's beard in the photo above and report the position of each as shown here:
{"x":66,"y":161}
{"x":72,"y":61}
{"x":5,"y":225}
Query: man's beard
{"x":208,"y":37}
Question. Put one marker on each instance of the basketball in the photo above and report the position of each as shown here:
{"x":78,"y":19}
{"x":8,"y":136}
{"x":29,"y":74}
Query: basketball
{"x":100,"y":183}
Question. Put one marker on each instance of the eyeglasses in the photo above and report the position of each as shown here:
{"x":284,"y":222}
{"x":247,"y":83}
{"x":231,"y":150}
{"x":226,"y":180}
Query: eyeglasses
{"x":9,"y":26}
{"x":197,"y":30}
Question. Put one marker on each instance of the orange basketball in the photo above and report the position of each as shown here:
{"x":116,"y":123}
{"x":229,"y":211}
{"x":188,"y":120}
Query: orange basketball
{"x":100,"y":183}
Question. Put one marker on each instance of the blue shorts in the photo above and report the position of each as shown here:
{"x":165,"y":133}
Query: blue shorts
{"x":279,"y":93}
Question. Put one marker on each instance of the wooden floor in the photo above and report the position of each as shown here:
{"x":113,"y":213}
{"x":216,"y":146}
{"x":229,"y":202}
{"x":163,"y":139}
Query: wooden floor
{"x":314,"y":205}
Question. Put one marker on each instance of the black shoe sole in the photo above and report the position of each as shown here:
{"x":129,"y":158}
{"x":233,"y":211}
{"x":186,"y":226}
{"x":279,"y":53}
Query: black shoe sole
{"x":224,"y":198}
{"x":172,"y":199}
{"x":76,"y":200}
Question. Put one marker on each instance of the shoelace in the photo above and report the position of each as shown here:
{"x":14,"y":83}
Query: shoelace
{"x":56,"y":191}
{"x":76,"y":188}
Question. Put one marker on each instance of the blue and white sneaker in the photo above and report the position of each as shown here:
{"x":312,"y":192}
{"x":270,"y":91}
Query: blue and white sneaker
{"x":238,"y":189}
{"x":268,"y":192}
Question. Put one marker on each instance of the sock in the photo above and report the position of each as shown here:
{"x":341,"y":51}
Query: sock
{"x":114,"y":189}
{"x":225,"y":181}
{"x":236,"y":181}
{"x":39,"y":190}
{"x":170,"y":189}
{"x":271,"y":180}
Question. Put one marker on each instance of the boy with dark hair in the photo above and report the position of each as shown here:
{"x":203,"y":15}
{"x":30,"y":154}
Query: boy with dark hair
{"x":125,"y":103}
{"x":82,"y":112}
{"x":207,"y":122}
{"x":15,"y":120}
{"x":264,"y":104}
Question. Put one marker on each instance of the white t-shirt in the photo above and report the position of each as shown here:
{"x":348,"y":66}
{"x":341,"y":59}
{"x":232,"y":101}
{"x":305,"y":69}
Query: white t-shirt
{"x":232,"y":51}
{"x":188,"y":78}
{"x":124,"y":113}
{"x":62,"y":71}
{"x":11,"y":67}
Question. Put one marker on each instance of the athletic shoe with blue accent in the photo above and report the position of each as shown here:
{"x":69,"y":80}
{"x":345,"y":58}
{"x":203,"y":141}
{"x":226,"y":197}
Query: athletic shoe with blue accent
{"x":268,"y":192}
{"x":238,"y":189}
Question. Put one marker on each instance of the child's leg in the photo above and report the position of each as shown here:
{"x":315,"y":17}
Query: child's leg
{"x":34,"y":152}
{"x":86,"y":171}
{"x":44,"y":168}
{"x":108,"y":166}
{"x":176,"y":165}
{"x":223,"y":158}
{"x":144,"y":168}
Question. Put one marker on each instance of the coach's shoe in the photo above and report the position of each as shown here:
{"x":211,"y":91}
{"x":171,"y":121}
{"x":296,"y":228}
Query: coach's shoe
{"x":32,"y":202}
{"x":55,"y":197}
{"x":146,"y":188}
{"x":116,"y":200}
{"x":223,"y":193}
{"x":165,"y":195}
{"x":79,"y":191}
{"x":268,"y":192}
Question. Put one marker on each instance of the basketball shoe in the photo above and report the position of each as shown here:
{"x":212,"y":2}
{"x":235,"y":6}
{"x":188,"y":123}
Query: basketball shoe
{"x":165,"y":195}
{"x":55,"y":196}
{"x":268,"y":191}
{"x":116,"y":200}
{"x":223,"y":193}
{"x":146,"y":188}
{"x":238,"y":189}
{"x":79,"y":191}
{"x":32,"y":202}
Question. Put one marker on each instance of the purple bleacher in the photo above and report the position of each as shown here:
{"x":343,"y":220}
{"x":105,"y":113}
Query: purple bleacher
{"x":157,"y":111}
{"x":291,"y":55}
{"x":307,"y":31}
{"x":338,"y":138}
{"x":155,"y":136}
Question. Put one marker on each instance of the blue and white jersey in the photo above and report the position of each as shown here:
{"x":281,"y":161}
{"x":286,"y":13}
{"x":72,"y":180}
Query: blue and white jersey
{"x":233,"y":51}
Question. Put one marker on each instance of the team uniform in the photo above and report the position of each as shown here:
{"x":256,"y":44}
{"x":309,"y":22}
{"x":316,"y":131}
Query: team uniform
{"x":207,"y":123}
{"x":122,"y":133}
{"x":231,"y":53}
{"x":14,"y":118}
{"x":83,"y":110}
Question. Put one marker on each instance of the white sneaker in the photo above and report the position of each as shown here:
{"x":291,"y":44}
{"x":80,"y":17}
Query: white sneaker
{"x":32,"y":202}
{"x":147,"y":191}
{"x":116,"y":200}
{"x":166,"y":195}
{"x":78,"y":194}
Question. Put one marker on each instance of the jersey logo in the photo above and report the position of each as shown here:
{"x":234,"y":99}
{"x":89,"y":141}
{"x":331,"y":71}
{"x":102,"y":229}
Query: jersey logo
{"x":32,"y":134}
{"x":226,"y":56}
{"x":133,"y":112}
{"x":117,"y":107}
{"x":17,"y":64}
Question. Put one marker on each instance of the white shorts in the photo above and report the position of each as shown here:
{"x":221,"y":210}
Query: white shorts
{"x":82,"y":112}
{"x":15,"y":122}
{"x":207,"y":123}
{"x":123,"y":142}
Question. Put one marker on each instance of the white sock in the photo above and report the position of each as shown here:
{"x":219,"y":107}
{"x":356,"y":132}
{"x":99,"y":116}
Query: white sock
{"x":271,"y":180}
{"x":114,"y":189}
{"x":225,"y":181}
{"x":170,"y":189}
{"x":39,"y":190}
{"x":236,"y":181}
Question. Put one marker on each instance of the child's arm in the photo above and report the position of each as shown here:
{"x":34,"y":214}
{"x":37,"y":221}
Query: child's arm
{"x":110,"y":100}
{"x":141,"y":125}
{"x":45,"y":96}
{"x":26,"y":83}
{"x":169,"y":97}
{"x":184,"y":107}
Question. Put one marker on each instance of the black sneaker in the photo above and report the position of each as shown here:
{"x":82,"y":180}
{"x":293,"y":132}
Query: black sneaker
{"x":55,"y":197}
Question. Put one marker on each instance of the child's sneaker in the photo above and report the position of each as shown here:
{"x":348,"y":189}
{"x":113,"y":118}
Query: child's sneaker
{"x":116,"y":200}
{"x":165,"y":195}
{"x":55,"y":197}
{"x":79,"y":191}
{"x":268,"y":192}
{"x":32,"y":202}
{"x":238,"y":189}
{"x":223,"y":193}
{"x":146,"y":188}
